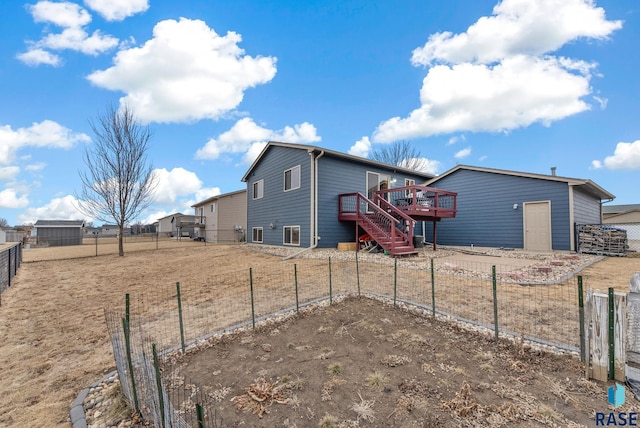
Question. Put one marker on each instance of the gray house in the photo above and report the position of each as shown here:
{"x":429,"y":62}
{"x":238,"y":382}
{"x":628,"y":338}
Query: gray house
{"x":500,"y":208}
{"x":59,"y":232}
{"x":306,"y":196}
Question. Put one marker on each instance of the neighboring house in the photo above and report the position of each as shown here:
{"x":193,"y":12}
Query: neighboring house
{"x":500,"y":208}
{"x":616,"y":214}
{"x":165,"y":225}
{"x":59,"y":232}
{"x":293,"y":193}
{"x":177,"y":224}
{"x":222,"y":218}
{"x":625,"y":217}
{"x":109,"y":230}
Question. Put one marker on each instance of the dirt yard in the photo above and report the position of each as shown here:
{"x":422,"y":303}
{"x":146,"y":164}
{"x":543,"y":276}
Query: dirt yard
{"x":364,"y":363}
{"x":53,"y":339}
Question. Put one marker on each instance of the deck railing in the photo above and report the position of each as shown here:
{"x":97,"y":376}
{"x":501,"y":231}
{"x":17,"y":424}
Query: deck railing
{"x":421,"y":200}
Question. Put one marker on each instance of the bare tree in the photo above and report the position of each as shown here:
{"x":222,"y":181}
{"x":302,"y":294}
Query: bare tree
{"x":3,"y":223}
{"x":400,"y":153}
{"x":119,"y":182}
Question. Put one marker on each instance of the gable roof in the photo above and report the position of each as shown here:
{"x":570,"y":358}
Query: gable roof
{"x":620,"y":209}
{"x":586,"y":185}
{"x":215,"y":198}
{"x":170,"y":215}
{"x":59,"y":223}
{"x":347,"y":157}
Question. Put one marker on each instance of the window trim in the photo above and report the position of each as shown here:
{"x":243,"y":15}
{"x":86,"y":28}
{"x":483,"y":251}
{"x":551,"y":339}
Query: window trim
{"x":284,"y":177}
{"x":408,"y":182}
{"x":284,"y":235}
{"x":260,"y":184}
{"x":253,"y":235}
{"x":213,"y":207}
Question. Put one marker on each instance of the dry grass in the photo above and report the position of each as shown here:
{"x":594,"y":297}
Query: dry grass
{"x":53,"y":338}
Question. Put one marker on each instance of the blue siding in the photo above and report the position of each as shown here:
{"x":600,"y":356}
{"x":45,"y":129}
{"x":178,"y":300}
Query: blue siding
{"x":586,"y":209}
{"x":336,"y":176}
{"x":486,"y":216}
{"x":277,"y":207}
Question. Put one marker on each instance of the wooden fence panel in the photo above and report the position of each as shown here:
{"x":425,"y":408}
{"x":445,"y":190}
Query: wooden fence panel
{"x":597,"y":326}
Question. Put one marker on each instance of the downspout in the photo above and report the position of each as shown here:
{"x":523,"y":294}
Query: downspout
{"x":313,"y":223}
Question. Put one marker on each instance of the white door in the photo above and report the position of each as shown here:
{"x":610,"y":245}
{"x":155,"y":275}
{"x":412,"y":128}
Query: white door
{"x":537,"y":226}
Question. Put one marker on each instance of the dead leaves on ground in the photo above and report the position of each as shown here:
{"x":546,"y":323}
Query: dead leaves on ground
{"x":261,"y":395}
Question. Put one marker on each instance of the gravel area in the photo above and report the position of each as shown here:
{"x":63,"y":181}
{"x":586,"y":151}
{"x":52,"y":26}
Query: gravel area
{"x":541,"y":268}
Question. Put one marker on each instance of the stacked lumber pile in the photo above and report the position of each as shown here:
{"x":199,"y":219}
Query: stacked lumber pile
{"x":599,"y":239}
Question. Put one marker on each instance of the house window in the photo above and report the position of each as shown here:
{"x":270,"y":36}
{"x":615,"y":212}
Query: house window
{"x":292,"y":178}
{"x":408,"y":182}
{"x":256,"y":234}
{"x":213,"y":207}
{"x":291,"y":235}
{"x":258,"y":189}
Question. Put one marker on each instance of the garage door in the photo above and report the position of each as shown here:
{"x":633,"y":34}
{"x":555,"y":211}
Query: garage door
{"x":537,"y":226}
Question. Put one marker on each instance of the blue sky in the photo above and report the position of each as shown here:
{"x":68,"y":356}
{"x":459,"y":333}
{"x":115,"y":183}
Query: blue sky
{"x":517,"y":84}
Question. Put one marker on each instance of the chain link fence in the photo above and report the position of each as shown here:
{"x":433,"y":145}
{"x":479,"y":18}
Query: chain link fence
{"x":151,"y":329}
{"x":10,"y":259}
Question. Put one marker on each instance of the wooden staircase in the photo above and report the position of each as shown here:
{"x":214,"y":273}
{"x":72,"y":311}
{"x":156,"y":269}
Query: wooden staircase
{"x":388,"y":226}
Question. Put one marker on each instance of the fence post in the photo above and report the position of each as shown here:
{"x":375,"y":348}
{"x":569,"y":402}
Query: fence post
{"x":495,"y":301}
{"x":127,"y":308}
{"x":583,"y":353}
{"x":253,"y":312}
{"x":156,"y":365}
{"x":395,"y":280}
{"x":9,"y":267}
{"x":180,"y":317}
{"x":127,"y":345}
{"x":200,"y":415}
{"x":358,"y":273}
{"x":330,"y":284}
{"x":612,"y":339}
{"x":433,"y":290}
{"x":295,"y":277}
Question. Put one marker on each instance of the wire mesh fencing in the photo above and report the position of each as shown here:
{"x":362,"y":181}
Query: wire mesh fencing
{"x":150,"y":329}
{"x":10,"y":260}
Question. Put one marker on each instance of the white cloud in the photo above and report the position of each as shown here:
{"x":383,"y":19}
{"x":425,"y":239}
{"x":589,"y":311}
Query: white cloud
{"x":206,"y":193}
{"x":361,"y":148}
{"x":117,"y":10}
{"x":9,"y":172}
{"x":518,"y":27}
{"x":37,"y":56}
{"x":77,"y":39}
{"x":625,"y":156}
{"x":245,"y":133}
{"x":175,"y":183}
{"x":63,"y":208}
{"x":36,"y":166}
{"x":499,"y":74}
{"x":428,"y":166}
{"x":44,"y":134}
{"x":518,"y":92}
{"x":186,"y":72}
{"x":463,"y":153}
{"x":253,"y":152}
{"x":72,"y":18}
{"x":455,"y":139}
{"x":9,"y":199}
{"x":62,"y":14}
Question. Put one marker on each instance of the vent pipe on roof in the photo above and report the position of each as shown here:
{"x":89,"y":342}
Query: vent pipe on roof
{"x":553,"y":171}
